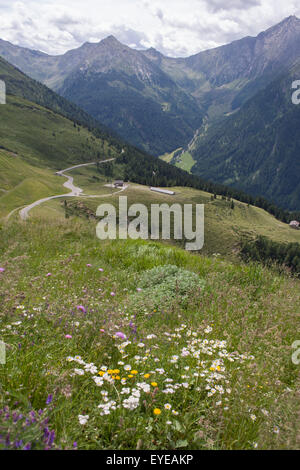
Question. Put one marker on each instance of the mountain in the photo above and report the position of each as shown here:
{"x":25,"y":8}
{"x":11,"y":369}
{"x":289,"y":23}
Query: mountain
{"x":257,"y":148}
{"x":41,"y":131}
{"x":130,"y":94}
{"x":160,"y":103}
{"x":222,"y":79}
{"x":116,"y":84}
{"x":45,"y":129}
{"x":19,"y":84}
{"x":156,"y":102}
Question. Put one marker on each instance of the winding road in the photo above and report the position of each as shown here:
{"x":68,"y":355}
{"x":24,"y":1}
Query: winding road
{"x":69,"y":184}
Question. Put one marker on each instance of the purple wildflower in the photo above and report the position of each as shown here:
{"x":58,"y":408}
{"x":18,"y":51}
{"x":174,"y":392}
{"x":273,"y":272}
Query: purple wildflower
{"x":18,"y":444}
{"x":49,"y":399}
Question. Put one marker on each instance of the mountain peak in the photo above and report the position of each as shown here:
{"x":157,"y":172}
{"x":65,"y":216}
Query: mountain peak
{"x":110,"y":40}
{"x":290,"y":19}
{"x":287,"y":27}
{"x":287,"y":22}
{"x":154,"y":52}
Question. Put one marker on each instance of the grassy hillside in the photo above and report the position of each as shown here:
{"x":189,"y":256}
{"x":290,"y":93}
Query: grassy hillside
{"x":28,"y":128}
{"x":185,"y":161}
{"x":19,"y":84}
{"x":35,"y":141}
{"x":207,"y":363}
{"x":224,"y":227}
{"x":44,"y":138}
{"x":106,"y":340}
{"x":22,"y":183}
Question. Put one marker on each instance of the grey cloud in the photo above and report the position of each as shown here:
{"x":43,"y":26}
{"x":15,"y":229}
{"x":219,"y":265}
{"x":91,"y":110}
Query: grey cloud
{"x":171,"y":29}
{"x":126,"y":36}
{"x":5,"y":4}
{"x":129,"y":36}
{"x":217,"y":5}
{"x":206,"y":31}
{"x":159,"y":13}
{"x":64,"y":21}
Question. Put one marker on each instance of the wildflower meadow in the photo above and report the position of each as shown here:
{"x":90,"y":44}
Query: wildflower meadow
{"x":140,"y":345}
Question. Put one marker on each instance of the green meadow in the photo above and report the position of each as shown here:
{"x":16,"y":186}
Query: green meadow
{"x":107,"y":339}
{"x":225,"y":228}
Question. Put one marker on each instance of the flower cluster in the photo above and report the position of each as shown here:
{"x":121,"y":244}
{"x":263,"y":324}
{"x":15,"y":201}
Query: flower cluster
{"x":28,"y":431}
{"x":194,"y":362}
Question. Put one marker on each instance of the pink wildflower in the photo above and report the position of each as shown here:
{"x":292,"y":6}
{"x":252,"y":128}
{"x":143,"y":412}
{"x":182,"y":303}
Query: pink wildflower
{"x":81,"y":308}
{"x":121,"y":335}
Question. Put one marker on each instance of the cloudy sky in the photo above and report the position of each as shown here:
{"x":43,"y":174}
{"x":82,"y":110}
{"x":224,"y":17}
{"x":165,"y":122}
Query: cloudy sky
{"x":174,"y":27}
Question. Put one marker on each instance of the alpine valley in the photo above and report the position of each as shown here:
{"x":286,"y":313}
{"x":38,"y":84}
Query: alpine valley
{"x":216,"y":107}
{"x":134,"y":342}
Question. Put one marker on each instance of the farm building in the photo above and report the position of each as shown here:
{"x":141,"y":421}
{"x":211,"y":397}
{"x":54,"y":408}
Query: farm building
{"x":163,"y":191}
{"x":295,"y":224}
{"x":118,"y":184}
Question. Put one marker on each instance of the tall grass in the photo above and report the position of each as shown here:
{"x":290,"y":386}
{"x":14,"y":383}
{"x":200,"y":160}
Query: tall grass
{"x":221,"y":361}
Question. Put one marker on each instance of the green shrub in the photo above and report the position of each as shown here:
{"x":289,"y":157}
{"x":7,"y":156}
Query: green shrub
{"x":163,"y":285}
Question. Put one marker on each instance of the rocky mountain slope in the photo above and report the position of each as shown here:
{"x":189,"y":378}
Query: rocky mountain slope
{"x":257,"y":149}
{"x":117,"y":85}
{"x":160,"y":103}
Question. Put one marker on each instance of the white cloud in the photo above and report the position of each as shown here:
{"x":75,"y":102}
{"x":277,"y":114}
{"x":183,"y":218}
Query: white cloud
{"x":175,"y":27}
